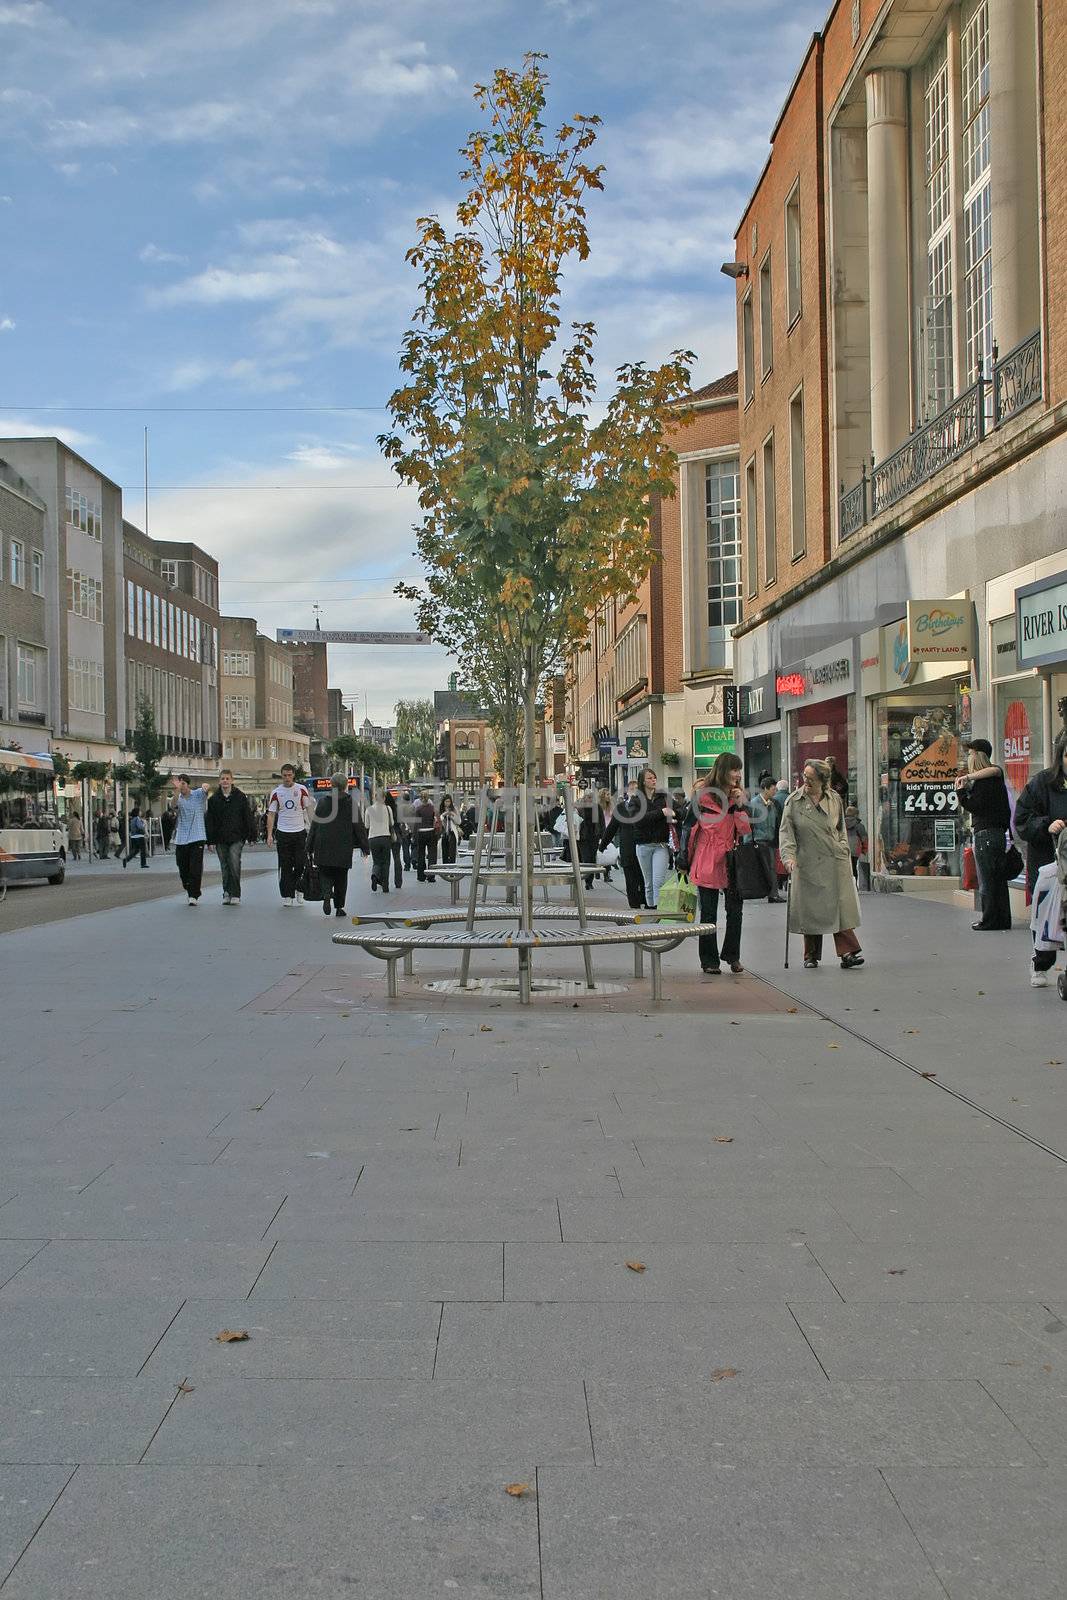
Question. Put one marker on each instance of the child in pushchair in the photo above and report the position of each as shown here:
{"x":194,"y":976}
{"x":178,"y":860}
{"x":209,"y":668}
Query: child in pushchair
{"x":1048,"y":912}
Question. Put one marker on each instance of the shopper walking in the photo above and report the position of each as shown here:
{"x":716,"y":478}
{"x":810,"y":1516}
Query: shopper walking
{"x":331,"y":842}
{"x":652,"y":834}
{"x":167,"y":824}
{"x":285,"y":815}
{"x":1040,"y":818}
{"x":720,"y":819}
{"x":101,"y":833}
{"x":427,"y":828}
{"x":984,"y":794}
{"x":814,"y":847}
{"x":231,"y":824}
{"x":384,"y":844}
{"x":114,"y":835}
{"x":766,"y":824}
{"x":75,"y":835}
{"x":397,"y":846}
{"x":604,"y":798}
{"x":624,"y":817}
{"x":450,"y":831}
{"x":190,"y":835}
{"x":138,"y":845}
{"x":857,"y":839}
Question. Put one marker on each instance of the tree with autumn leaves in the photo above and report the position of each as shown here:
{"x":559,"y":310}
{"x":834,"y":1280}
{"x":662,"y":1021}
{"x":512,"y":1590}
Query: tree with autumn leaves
{"x":533,"y":513}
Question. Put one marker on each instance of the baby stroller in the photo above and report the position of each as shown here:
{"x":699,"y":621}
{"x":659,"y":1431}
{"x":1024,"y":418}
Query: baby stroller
{"x":1048,"y":913}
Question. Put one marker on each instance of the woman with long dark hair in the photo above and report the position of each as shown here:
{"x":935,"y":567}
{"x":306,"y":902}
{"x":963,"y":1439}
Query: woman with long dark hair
{"x":720,"y":819}
{"x":652,"y":832}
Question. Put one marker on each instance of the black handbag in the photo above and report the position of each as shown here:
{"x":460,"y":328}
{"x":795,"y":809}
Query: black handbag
{"x":1013,"y":863}
{"x":746,"y":872}
{"x":311,"y":882}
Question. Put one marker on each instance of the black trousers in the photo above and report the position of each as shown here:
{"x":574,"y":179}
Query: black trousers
{"x":334,"y":882}
{"x":190,"y":859}
{"x":292,"y":850}
{"x":631,"y":871}
{"x":425,"y":852}
{"x":766,"y":855}
{"x":381,"y":852}
{"x":993,"y":893}
{"x":400,"y":860}
{"x":709,"y":942}
{"x":449,"y":845}
{"x":138,"y":847}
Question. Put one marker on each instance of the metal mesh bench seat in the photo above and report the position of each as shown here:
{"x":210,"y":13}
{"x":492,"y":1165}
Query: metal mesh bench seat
{"x":393,"y":944}
{"x":544,"y":877}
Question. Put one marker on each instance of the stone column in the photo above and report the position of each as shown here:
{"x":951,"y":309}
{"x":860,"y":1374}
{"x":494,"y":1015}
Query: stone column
{"x":1013,"y":141}
{"x":887,"y":237}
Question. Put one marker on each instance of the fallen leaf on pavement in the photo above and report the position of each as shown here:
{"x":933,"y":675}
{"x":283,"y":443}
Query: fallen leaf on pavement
{"x":516,"y":1489}
{"x":929,"y":1074}
{"x":724,"y":1138}
{"x":896,"y":1272}
{"x":723,"y":1372}
{"x":185,"y":1388}
{"x":1046,"y":1366}
{"x":1055,"y":1063}
{"x":911,"y":1030}
{"x":636,"y":1266}
{"x":232,"y":1335}
{"x":833,"y":1047}
{"x":792,"y":1010}
{"x":485,"y":1028}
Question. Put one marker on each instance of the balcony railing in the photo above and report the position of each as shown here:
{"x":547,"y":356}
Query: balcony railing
{"x":1015,"y":384}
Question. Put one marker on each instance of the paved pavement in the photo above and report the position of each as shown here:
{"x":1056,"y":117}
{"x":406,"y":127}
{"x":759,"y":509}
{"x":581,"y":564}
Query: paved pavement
{"x":92,"y":886}
{"x":751,"y":1306}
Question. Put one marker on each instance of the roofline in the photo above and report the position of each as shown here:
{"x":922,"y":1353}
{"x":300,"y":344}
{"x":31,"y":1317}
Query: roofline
{"x":53,"y":438}
{"x":814,"y":43}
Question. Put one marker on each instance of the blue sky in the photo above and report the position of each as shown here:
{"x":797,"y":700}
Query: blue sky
{"x":204,"y":210}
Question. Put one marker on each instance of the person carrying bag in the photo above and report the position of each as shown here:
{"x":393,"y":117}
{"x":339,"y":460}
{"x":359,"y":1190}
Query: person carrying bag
{"x":721,"y":820}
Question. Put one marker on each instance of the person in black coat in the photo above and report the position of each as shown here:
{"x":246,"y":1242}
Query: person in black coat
{"x":984,"y":793}
{"x":332,"y":840}
{"x":230,"y":824}
{"x":621,"y":827}
{"x":1040,"y":818}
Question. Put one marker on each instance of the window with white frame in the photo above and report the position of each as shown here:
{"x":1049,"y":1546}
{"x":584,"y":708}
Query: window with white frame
{"x":31,"y":676}
{"x":631,"y":660}
{"x":131,"y":607}
{"x":794,"y":296}
{"x":935,"y":329}
{"x":766,"y":315}
{"x":85,"y":596}
{"x":798,"y":509}
{"x":85,"y":684}
{"x":37,"y":571}
{"x":168,"y":571}
{"x":722,"y":519}
{"x":977,"y":236}
{"x":18,"y":563}
{"x":770,"y":514}
{"x":236,"y":711}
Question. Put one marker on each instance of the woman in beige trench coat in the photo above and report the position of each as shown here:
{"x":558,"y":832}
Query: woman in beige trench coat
{"x":814,"y":847}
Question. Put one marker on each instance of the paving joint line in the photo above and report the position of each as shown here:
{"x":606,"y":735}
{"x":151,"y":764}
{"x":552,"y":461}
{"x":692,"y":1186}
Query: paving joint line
{"x":824,"y":1272}
{"x":915,"y":1536}
{"x":589,"y":1420}
{"x":162,"y":1336}
{"x":540,"y":1557}
{"x":262,"y":1269}
{"x":24,"y":1265}
{"x":36,"y":1531}
{"x":437,"y":1342}
{"x":890,"y":1055}
{"x":179,"y":1390}
{"x":98,"y":1175}
{"x":807,"y":1341}
{"x":559,"y":1215}
{"x":272,"y":1221}
{"x":1027,"y":1441}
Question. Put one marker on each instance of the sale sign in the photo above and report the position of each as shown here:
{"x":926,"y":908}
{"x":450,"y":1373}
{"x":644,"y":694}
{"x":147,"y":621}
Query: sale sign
{"x":1017,"y":745}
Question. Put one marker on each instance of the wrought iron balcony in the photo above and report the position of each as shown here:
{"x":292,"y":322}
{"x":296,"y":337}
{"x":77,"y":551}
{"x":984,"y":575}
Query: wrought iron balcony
{"x":1016,"y":383}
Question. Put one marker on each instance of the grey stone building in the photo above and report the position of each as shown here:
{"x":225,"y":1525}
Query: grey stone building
{"x":27,"y":710}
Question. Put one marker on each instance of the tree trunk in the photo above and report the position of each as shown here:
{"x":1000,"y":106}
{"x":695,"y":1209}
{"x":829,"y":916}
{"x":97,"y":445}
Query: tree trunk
{"x":529,"y":780}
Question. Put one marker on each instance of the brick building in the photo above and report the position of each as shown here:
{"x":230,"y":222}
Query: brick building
{"x":651,"y":673}
{"x":466,"y":750}
{"x":311,"y":713}
{"x":28,"y":713}
{"x":901,"y":334}
{"x":171,"y":646}
{"x":258,"y":731}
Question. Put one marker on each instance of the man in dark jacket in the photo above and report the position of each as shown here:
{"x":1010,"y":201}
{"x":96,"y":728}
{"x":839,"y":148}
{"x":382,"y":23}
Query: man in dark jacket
{"x":331,"y":843}
{"x":1040,"y":818}
{"x":626,"y":811}
{"x":231,"y":824}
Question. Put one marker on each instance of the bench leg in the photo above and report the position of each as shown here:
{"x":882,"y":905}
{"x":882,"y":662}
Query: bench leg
{"x":409,"y":967}
{"x":464,"y":969}
{"x":587,"y":956}
{"x":454,"y":888}
{"x":524,"y":977}
{"x":657,"y":975}
{"x":639,"y":962}
{"x":390,"y":976}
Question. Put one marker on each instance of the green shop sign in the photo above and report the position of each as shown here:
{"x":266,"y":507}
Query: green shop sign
{"x":711,"y":742}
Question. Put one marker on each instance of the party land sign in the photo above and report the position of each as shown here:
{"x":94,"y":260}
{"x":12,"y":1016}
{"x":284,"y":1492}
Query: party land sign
{"x":940,"y":630}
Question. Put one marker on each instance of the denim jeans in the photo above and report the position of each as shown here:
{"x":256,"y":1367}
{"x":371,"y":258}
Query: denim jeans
{"x":652,"y":859}
{"x":993,"y":896}
{"x":230,"y":862}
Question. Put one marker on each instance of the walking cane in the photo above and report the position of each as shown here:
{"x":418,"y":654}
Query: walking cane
{"x":788,"y":899}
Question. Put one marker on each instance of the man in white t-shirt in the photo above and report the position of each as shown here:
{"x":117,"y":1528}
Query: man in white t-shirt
{"x":285,"y":816}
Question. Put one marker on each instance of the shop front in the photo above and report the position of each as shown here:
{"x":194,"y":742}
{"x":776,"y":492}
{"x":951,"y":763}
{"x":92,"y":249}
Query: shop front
{"x":918,"y":719}
{"x":818,"y":703}
{"x":710,"y":742}
{"x":761,"y":725}
{"x":1031,"y":708}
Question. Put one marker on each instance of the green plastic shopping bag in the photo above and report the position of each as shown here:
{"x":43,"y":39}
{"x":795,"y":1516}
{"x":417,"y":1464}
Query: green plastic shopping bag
{"x":677,"y":899}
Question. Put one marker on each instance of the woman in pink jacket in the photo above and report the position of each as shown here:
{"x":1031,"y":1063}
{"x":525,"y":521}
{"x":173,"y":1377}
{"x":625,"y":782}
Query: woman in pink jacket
{"x":720,"y":819}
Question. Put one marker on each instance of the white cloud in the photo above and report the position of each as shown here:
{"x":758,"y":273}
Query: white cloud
{"x":157,"y":257}
{"x":6,"y":324}
{"x":68,"y":169}
{"x":195,"y":371}
{"x":24,"y":14}
{"x":15,"y":427}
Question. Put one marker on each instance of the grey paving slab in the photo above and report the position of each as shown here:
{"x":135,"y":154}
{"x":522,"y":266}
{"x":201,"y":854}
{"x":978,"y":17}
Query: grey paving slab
{"x":674,"y":1534}
{"x":300,"y":1339}
{"x":15,"y":1254}
{"x":1036,"y":1401}
{"x":763,"y":1217}
{"x":516,"y":1343}
{"x":233,"y":1532}
{"x":138,"y":1213}
{"x":356,"y":1217}
{"x":355,"y":1422}
{"x":673,"y":1272}
{"x":91,"y":1267}
{"x":739,"y":1421}
{"x":988,"y":1534}
{"x":27,"y":1494}
{"x":383,"y":1271}
{"x":927,"y":1339}
{"x":943,"y":1271}
{"x":80,"y":1337}
{"x":46,"y":1422}
{"x":522,"y":1175}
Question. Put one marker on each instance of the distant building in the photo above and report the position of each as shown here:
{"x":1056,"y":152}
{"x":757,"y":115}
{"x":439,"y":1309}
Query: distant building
{"x":171,"y":645}
{"x":384,"y":738}
{"x":28,"y":713}
{"x":258,"y":733}
{"x":340,"y":722}
{"x":310,"y":709}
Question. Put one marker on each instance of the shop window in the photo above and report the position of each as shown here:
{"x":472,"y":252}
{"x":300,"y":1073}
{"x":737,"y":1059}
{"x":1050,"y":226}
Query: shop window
{"x":919,"y":736}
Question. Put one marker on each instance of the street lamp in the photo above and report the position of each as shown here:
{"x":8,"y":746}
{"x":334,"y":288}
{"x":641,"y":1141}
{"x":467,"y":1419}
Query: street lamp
{"x":734,"y":269}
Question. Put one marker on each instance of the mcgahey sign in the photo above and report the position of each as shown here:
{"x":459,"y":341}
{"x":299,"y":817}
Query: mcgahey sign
{"x":940,"y":630}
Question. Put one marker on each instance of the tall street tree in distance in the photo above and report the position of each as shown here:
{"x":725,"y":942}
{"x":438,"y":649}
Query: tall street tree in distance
{"x":415,"y":739}
{"x":533,"y":513}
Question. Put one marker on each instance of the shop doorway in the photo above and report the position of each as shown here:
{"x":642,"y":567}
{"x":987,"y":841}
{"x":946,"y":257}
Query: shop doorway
{"x":821,"y":731}
{"x":918,"y":739}
{"x":763,"y":753}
